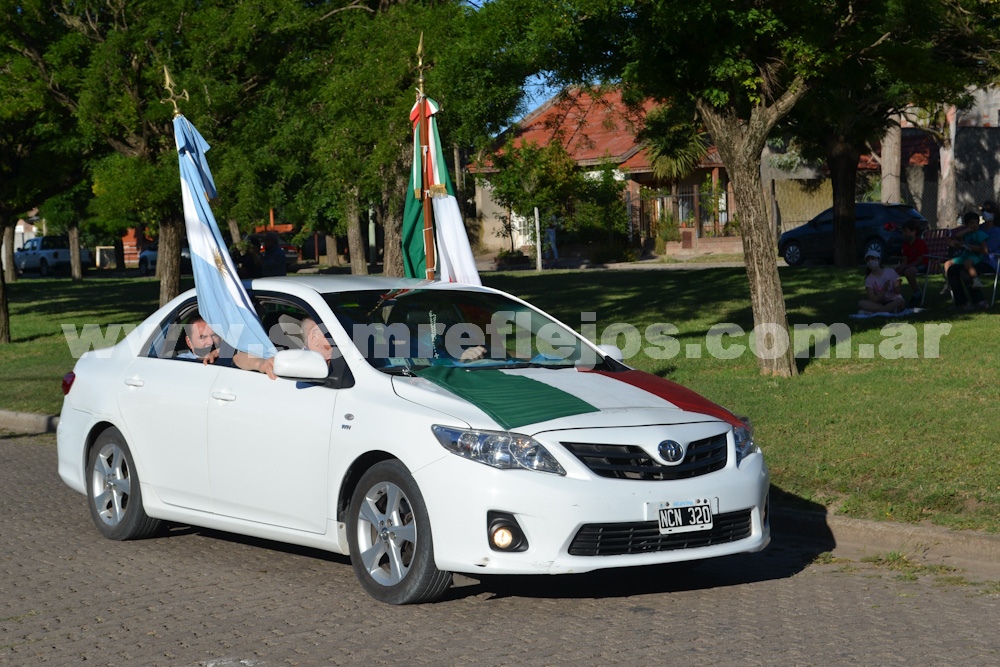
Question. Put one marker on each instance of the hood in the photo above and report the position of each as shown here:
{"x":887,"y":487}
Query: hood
{"x":533,"y":400}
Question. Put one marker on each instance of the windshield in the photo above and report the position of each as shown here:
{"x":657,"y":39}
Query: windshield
{"x":416,"y":328}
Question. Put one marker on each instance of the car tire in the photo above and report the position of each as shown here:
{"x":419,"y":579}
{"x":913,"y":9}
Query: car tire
{"x":389,"y":535}
{"x":113,"y":490}
{"x":43,"y":268}
{"x":793,"y":254}
{"x":143,"y":267}
{"x":877,"y":245}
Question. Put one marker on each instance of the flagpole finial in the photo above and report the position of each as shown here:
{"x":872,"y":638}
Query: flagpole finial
{"x":168,"y":85}
{"x":420,"y":64}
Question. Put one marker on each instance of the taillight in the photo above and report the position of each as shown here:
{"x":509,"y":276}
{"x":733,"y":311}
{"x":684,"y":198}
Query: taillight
{"x":890,"y":226}
{"x":67,"y":382}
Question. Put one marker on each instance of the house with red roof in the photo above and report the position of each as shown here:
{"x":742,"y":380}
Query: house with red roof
{"x":595,"y":129}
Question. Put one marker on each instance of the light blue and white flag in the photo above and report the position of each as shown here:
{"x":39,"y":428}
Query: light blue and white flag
{"x":222,"y":300}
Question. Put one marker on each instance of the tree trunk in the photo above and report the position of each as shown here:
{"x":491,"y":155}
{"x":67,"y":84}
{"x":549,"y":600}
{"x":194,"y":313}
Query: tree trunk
{"x":355,"y":235}
{"x":4,"y":308}
{"x":892,"y":162}
{"x":235,"y":233}
{"x":947,"y":200}
{"x":75,"y":265}
{"x":459,"y":190}
{"x":741,"y":143}
{"x":9,"y":271}
{"x":168,"y":259}
{"x":842,"y":159}
{"x":332,"y":259}
{"x":392,"y":219}
{"x":119,"y":253}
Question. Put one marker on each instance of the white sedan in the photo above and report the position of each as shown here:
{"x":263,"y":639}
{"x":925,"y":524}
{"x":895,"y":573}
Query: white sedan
{"x":426,"y":429}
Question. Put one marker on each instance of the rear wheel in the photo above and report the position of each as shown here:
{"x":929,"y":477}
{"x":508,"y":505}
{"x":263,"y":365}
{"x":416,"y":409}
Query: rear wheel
{"x":113,"y":490}
{"x":143,"y":267}
{"x":390,"y":538}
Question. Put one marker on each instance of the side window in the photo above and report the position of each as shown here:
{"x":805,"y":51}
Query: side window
{"x":282,"y":321}
{"x":170,"y":342}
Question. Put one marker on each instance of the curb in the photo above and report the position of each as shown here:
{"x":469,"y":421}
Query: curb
{"x":927,"y":542}
{"x":28,"y":422}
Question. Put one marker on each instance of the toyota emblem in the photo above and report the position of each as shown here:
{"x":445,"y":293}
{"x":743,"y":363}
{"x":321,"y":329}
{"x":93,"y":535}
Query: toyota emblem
{"x":671,"y":451}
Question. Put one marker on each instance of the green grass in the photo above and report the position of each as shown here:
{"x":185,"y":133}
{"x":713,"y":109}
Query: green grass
{"x":905,"y":439}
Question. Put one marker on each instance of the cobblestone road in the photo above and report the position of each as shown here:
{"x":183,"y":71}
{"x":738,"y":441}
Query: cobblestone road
{"x":194,"y":597}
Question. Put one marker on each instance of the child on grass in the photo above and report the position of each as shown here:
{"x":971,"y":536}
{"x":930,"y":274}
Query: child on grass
{"x":881,"y":287}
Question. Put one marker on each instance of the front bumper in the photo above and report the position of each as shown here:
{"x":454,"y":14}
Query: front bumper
{"x":581,"y":523}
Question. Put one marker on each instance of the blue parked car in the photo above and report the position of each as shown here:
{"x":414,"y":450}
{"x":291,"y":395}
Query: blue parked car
{"x":877,"y":227}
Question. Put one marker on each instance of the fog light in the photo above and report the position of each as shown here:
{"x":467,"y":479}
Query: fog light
{"x":502,"y":537}
{"x":504,"y":533}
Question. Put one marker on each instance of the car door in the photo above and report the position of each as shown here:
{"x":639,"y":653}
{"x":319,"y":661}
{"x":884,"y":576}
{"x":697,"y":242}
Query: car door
{"x":819,"y":244}
{"x":164,"y":402}
{"x":269,"y":448}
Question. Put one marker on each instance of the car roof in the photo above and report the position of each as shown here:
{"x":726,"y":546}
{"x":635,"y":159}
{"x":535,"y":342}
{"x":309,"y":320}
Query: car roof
{"x":350,"y":283}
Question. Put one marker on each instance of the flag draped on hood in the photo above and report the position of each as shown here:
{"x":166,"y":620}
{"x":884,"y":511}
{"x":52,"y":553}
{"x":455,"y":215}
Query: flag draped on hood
{"x":222,"y":299}
{"x":455,"y":262}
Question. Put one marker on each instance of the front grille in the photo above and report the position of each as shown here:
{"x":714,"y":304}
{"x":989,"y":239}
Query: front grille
{"x":616,"y":539}
{"x":632,"y":461}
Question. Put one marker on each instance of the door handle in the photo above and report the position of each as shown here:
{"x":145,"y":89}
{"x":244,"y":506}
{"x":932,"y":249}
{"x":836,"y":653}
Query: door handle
{"x":134,"y":382}
{"x":223,"y":396}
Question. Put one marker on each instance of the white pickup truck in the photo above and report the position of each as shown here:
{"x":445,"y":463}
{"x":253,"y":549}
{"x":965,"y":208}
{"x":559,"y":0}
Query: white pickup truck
{"x":46,"y":254}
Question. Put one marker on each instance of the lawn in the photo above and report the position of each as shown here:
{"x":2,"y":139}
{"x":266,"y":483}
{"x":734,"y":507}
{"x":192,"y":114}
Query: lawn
{"x":898,"y":422}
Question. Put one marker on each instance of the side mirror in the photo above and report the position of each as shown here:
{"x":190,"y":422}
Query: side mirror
{"x":300,"y":365}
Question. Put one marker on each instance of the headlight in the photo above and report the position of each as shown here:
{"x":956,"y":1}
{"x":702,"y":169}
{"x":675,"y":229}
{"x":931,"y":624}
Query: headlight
{"x":745,"y":445}
{"x":507,"y":451}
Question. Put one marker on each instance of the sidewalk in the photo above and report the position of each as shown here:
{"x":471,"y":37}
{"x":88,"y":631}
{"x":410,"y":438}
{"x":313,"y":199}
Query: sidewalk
{"x":978,"y":553}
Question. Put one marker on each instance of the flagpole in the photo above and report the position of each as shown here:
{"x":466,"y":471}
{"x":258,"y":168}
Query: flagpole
{"x":425,"y":193}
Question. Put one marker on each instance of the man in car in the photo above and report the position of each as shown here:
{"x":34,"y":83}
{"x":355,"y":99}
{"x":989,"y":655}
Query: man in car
{"x":205,"y":345}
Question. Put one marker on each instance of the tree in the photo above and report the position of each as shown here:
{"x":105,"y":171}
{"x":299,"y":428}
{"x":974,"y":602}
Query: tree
{"x":741,"y":66}
{"x":523,"y":176}
{"x":921,"y":51}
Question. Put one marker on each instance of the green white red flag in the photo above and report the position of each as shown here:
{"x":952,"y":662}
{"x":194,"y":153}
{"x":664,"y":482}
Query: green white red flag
{"x":429,"y":177}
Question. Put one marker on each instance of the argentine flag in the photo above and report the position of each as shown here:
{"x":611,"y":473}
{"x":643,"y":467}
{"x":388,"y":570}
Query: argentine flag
{"x":222,"y":300}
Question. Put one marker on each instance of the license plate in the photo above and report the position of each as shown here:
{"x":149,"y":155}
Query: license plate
{"x":684,"y":516}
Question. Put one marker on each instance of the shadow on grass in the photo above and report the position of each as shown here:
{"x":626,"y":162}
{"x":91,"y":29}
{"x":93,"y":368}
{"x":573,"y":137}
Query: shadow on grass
{"x":102,"y":300}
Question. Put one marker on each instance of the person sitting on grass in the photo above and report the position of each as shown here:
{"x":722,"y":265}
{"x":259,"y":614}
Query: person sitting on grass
{"x":914,"y":259}
{"x":881,"y":287}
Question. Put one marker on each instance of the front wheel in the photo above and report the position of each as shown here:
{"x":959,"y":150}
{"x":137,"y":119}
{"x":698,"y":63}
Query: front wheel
{"x":389,"y":533}
{"x":113,"y":490}
{"x":793,"y":254}
{"x":43,"y":268}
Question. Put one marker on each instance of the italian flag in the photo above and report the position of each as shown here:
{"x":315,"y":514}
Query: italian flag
{"x":455,"y":262}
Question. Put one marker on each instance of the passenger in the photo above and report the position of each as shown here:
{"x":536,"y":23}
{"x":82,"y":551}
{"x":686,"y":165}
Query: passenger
{"x":881,"y":287}
{"x":204,"y":344}
{"x":315,"y":339}
{"x":201,"y":340}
